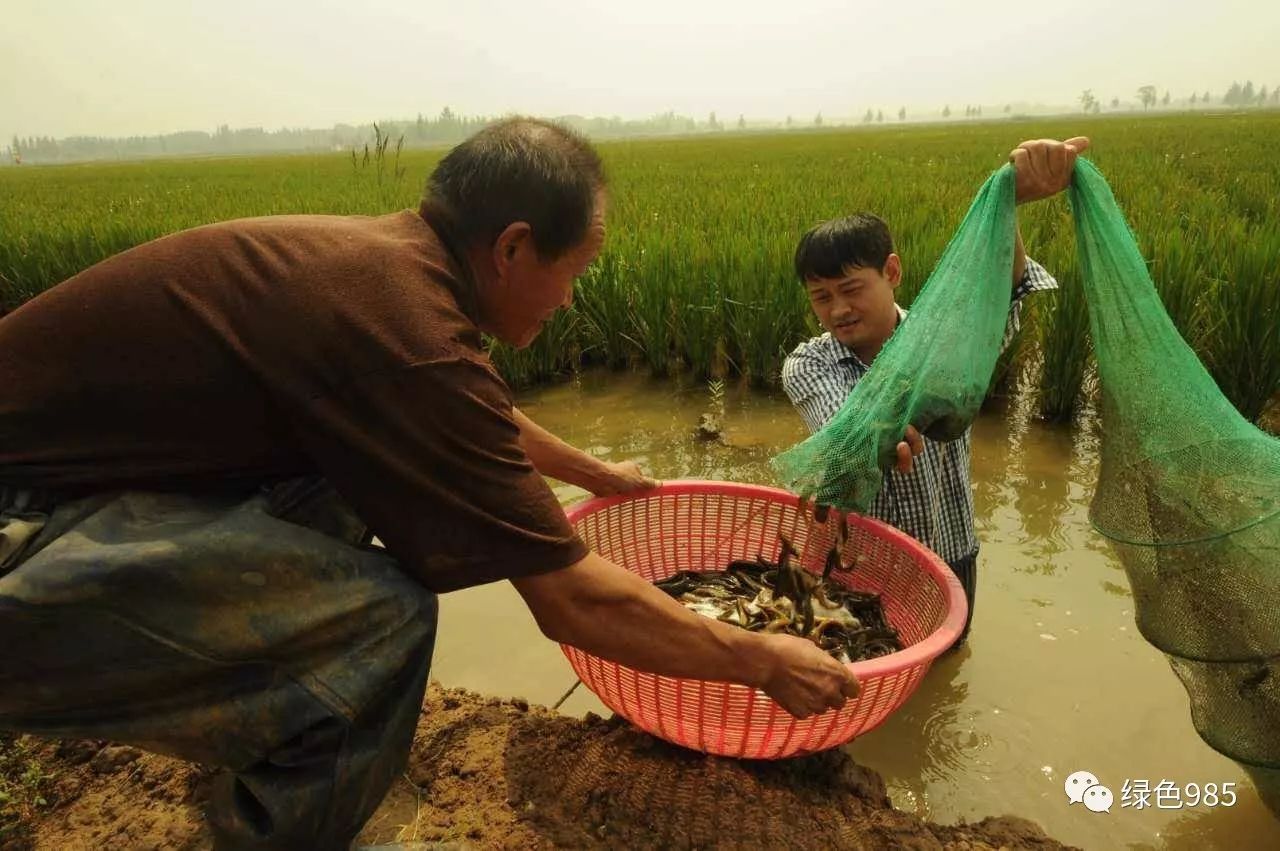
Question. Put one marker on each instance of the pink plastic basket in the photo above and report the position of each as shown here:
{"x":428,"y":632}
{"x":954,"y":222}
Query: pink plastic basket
{"x":702,"y":525}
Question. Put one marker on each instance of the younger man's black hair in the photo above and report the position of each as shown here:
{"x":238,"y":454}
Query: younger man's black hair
{"x":830,"y":248}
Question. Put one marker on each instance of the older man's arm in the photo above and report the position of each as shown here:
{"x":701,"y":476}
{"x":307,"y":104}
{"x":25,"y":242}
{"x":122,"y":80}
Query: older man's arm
{"x":612,"y":613}
{"x":557,"y":459}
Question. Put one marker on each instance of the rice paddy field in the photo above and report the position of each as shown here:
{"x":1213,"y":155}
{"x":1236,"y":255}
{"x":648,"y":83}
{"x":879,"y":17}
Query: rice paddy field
{"x":695,"y":288}
{"x":696,"y":275}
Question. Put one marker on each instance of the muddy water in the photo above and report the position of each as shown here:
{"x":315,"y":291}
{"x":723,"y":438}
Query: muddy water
{"x":1055,"y":678}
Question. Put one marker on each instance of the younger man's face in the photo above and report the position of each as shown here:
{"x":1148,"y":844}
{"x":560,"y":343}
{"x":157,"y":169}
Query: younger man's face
{"x":858,"y":307}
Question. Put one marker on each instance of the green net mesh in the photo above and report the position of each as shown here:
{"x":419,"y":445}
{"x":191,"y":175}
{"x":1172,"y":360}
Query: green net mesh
{"x":933,"y":372}
{"x":1188,"y":490}
{"x":1188,"y":493}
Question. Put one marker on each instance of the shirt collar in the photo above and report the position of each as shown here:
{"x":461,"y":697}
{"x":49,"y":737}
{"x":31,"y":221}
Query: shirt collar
{"x":848,"y":355}
{"x":464,"y":277}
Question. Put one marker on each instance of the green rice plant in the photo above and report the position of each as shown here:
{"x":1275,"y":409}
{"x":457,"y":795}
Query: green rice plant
{"x":696,"y":273}
{"x":553,"y":353}
{"x":1178,"y":270}
{"x":1244,"y":357}
{"x":604,"y":303}
{"x":699,"y":330}
{"x":1064,"y":346}
{"x":653,"y":277}
{"x":765,"y":318}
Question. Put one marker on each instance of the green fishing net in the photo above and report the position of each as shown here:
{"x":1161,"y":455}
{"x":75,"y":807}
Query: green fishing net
{"x":1189,"y":495}
{"x":1188,"y":490}
{"x":933,"y":372}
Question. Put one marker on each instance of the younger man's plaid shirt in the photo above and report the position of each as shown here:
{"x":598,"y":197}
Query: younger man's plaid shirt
{"x":934,"y":502}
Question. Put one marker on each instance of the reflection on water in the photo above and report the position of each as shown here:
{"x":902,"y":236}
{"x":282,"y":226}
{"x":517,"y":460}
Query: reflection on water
{"x":1248,"y":824}
{"x":1055,"y":677}
{"x":943,"y":741}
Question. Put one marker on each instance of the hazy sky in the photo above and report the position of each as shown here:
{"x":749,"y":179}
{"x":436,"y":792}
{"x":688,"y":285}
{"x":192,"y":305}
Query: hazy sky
{"x":147,"y":66}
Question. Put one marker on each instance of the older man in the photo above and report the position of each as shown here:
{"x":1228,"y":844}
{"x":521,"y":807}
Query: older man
{"x":199,"y":435}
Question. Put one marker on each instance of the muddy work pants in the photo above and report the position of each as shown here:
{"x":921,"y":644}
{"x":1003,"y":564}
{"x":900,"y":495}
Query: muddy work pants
{"x":254,"y":632}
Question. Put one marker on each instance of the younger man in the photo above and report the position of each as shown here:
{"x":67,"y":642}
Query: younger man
{"x":851,"y":271}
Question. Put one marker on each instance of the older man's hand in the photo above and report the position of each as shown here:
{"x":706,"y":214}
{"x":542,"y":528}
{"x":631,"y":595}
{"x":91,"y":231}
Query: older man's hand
{"x":621,"y":477}
{"x":803,"y":679}
{"x":1044,"y":166}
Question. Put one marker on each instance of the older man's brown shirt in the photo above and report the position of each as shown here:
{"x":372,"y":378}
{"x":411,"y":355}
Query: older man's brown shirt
{"x":264,"y":348}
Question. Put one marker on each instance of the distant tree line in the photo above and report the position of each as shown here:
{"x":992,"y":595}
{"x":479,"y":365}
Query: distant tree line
{"x":448,"y":128}
{"x":1237,"y":96}
{"x":1245,"y":95}
{"x":444,"y":129}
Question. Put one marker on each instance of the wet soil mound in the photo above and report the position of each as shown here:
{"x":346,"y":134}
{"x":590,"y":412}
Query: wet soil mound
{"x":502,"y":774}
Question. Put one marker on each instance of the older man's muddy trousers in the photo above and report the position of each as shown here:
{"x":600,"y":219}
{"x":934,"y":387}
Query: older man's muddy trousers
{"x":256,"y":632}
